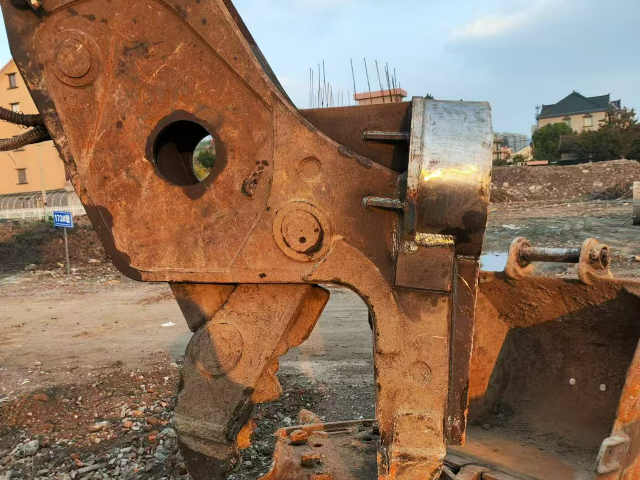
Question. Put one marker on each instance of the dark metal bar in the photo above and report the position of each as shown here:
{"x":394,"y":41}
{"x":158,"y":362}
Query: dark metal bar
{"x":555,"y":255}
{"x":385,"y":136}
{"x":386,"y":203}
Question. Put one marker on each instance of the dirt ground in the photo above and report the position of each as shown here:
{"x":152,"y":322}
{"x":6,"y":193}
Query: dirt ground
{"x":89,"y":363}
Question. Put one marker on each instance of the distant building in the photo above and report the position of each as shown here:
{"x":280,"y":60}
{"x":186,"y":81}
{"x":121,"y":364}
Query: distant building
{"x":515,"y":141}
{"x":32,"y":168}
{"x":501,"y":152}
{"x":394,"y":95}
{"x":526,"y":153}
{"x":579,"y":112}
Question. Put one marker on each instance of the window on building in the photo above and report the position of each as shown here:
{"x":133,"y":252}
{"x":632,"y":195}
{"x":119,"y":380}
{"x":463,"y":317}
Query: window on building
{"x":15,"y":107}
{"x":567,"y":120}
{"x":22,"y":176}
{"x":13,"y":82}
{"x":588,"y":121}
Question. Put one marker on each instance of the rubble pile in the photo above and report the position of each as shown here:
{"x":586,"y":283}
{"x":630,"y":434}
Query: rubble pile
{"x":590,"y":181}
{"x":121,"y":427}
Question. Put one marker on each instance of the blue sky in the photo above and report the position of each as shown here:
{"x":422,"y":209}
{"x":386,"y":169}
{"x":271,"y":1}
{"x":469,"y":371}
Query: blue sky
{"x":515,"y":54}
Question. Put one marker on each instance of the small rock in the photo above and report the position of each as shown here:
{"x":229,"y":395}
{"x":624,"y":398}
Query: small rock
{"x":45,"y":427}
{"x":152,"y":420}
{"x":160,"y":457}
{"x":306,"y":417}
{"x":637,"y":258}
{"x":298,"y":437}
{"x":91,"y":468}
{"x":264,"y":449}
{"x":311,"y":460}
{"x":486,"y":426}
{"x":31,"y":268}
{"x":28,"y":449}
{"x":96,"y":427}
{"x":94,"y":261}
{"x":41,"y":397}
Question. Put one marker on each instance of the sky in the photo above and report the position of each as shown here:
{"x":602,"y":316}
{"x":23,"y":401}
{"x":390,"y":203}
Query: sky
{"x":515,"y":54}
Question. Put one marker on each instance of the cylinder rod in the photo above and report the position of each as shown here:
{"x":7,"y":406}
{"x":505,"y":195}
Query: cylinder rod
{"x":555,"y":255}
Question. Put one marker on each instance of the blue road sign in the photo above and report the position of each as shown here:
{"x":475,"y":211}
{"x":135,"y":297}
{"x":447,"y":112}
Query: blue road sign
{"x":63,"y":219}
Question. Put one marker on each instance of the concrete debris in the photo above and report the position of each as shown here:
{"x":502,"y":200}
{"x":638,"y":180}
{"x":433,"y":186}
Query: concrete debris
{"x":27,"y":449}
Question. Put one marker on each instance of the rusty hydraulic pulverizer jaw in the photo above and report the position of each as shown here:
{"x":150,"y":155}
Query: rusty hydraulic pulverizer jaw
{"x":196,"y":169}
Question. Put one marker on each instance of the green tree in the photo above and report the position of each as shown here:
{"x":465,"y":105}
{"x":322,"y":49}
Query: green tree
{"x":634,"y":154}
{"x":624,"y":132}
{"x":206,"y":159}
{"x":519,"y":159}
{"x":596,"y":146}
{"x":547,"y":140}
{"x":203,"y":163}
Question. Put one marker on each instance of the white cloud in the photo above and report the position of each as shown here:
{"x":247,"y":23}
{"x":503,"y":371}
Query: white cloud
{"x":495,"y":24}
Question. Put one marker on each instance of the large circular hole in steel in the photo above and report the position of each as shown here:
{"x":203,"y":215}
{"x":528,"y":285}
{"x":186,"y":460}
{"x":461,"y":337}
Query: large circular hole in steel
{"x":185,"y":153}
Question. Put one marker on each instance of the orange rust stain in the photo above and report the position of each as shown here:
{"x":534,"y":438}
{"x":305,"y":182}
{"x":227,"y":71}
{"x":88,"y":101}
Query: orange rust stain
{"x":244,"y":436}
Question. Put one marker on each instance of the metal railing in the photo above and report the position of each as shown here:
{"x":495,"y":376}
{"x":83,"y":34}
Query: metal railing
{"x":39,"y":213}
{"x":29,"y":206}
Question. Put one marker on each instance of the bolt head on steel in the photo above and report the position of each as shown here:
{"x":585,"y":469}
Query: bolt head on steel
{"x":302,"y":231}
{"x":74,"y":58}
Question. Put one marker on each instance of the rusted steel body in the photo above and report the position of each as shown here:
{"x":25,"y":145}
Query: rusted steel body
{"x":388,"y":200}
{"x":283,"y":205}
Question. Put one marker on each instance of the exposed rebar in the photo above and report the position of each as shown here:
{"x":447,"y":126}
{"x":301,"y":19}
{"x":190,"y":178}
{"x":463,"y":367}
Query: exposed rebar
{"x":35,"y":135}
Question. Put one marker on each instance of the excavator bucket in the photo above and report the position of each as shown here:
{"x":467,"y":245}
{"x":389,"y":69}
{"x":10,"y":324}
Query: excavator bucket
{"x":477,"y":376}
{"x":553,"y":391}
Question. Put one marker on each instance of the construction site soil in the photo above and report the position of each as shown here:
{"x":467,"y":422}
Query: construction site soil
{"x":89,"y":363}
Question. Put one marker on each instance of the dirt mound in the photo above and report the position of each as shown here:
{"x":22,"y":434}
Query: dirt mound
{"x":591,"y":181}
{"x":26,"y":243}
{"x":614,"y":192}
{"x":501,"y":195}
